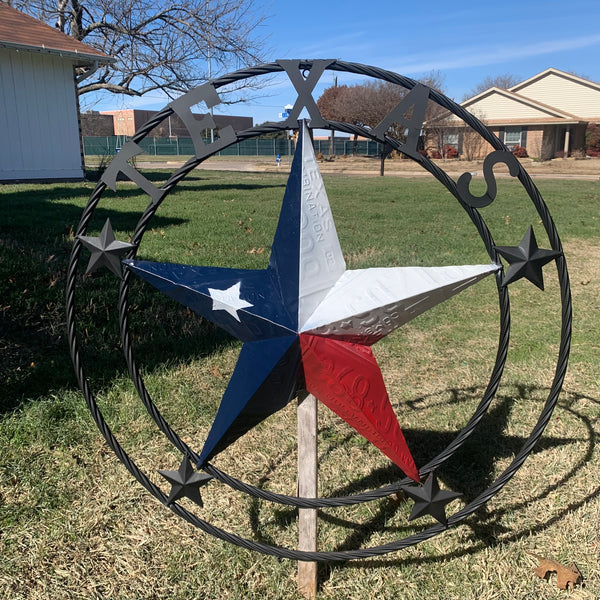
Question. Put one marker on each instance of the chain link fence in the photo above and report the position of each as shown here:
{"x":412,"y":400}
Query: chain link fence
{"x":178,"y":146}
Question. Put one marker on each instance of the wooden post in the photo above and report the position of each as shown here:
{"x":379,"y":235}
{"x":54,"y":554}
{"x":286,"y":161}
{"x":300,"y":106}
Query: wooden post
{"x":307,"y":487}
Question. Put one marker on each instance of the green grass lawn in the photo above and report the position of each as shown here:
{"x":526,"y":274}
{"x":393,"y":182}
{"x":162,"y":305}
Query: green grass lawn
{"x":74,"y":524}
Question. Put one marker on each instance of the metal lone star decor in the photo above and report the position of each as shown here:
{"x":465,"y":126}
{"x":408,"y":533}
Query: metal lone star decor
{"x":526,"y":260}
{"x":306,"y":322}
{"x":312,"y":321}
{"x":430,"y":500}
{"x":185,"y":482}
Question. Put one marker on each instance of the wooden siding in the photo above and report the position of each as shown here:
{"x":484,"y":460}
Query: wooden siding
{"x":39,"y":134}
{"x":570,"y":96}
{"x":496,"y":106}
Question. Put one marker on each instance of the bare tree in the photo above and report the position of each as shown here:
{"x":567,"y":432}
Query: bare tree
{"x":436,"y":133}
{"x":158,"y":45}
{"x":473,"y":145}
{"x":329,"y":106}
{"x":504,"y":81}
{"x":367,"y":105}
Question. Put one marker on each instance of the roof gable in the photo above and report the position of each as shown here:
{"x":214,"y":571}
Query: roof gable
{"x":567,"y":92}
{"x":551,"y":72}
{"x":496,"y":105}
{"x":22,"y":32}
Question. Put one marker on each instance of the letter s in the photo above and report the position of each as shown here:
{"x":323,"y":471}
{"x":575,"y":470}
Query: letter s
{"x":491,"y":159}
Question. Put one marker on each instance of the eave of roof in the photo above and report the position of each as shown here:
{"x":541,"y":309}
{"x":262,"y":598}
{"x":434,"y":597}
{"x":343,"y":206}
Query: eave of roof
{"x":510,"y":122}
{"x":21,"y":32}
{"x":78,"y":57}
{"x":546,"y":108}
{"x":552,"y":70}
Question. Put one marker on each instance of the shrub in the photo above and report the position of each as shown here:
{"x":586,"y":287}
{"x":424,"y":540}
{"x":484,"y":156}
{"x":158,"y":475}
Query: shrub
{"x":434,"y":154}
{"x":95,"y":172}
{"x":319,"y":156}
{"x":592,"y":138}
{"x":450,"y":151}
{"x":520,"y":152}
{"x":559,"y":154}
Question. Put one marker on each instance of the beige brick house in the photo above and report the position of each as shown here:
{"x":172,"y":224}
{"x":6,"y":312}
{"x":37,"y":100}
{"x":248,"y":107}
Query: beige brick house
{"x":546,"y":114}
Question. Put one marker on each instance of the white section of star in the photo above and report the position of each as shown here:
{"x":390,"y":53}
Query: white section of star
{"x":228,"y":300}
{"x":377,"y":301}
{"x":321,"y":259}
{"x":366,"y":302}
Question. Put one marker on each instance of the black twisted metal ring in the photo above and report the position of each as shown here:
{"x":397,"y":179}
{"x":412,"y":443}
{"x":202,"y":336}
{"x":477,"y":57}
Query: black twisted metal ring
{"x":365,"y":496}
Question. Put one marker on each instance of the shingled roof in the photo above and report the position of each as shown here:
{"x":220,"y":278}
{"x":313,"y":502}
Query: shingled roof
{"x":22,"y":32}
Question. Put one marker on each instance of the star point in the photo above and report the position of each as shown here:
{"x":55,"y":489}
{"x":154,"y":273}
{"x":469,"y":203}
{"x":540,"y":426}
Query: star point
{"x":430,"y":499}
{"x":526,"y":260}
{"x":185,"y":482}
{"x":105,"y":250}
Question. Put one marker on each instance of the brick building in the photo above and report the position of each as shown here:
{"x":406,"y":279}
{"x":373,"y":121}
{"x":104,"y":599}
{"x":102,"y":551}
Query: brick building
{"x":93,"y":124}
{"x":126,"y":122}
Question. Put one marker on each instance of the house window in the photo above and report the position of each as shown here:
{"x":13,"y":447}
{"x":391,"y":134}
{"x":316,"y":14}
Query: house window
{"x":451,"y":139}
{"x":513,"y":137}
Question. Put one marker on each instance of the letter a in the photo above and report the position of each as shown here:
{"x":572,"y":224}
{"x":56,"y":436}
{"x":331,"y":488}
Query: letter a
{"x":417,"y":100}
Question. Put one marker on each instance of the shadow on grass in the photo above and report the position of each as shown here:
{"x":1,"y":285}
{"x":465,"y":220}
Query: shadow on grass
{"x":486,"y":527}
{"x":35,"y":217}
{"x":36,"y":227}
{"x":204,"y":180}
{"x":36,"y":358}
{"x":35,"y":243}
{"x":37,"y":222}
{"x":469,"y":471}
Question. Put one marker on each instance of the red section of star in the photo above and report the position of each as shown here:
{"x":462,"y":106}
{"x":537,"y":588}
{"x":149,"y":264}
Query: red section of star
{"x":346,"y":378}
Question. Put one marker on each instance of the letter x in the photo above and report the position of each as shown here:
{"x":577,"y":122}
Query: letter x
{"x":304,"y":87}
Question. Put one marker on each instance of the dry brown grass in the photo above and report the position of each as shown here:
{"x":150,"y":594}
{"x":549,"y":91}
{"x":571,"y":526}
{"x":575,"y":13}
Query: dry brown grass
{"x":83,"y":529}
{"x":113,"y":541}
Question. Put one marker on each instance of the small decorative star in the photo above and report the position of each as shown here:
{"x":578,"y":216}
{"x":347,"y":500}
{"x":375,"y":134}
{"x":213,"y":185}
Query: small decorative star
{"x":526,"y":260}
{"x":105,"y":250}
{"x":228,"y":300}
{"x":185,"y":482}
{"x":430,"y":500}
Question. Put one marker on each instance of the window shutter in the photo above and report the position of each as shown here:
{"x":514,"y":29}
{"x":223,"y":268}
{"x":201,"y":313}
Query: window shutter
{"x":501,"y":134}
{"x":524,"y":136}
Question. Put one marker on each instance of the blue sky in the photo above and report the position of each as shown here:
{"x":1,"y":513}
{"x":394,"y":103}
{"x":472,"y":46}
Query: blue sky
{"x":465,"y":41}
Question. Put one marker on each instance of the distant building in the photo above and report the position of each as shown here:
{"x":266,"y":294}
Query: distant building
{"x":546,"y":114}
{"x":93,"y":124}
{"x":39,"y":126}
{"x":126,"y":122}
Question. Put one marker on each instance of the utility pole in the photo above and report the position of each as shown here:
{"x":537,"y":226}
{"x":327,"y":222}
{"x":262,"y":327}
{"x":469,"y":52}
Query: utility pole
{"x":212,"y":133}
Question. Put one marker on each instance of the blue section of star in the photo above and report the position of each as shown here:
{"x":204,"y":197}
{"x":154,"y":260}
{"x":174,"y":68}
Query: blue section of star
{"x":269,"y":369}
{"x":267,"y":317}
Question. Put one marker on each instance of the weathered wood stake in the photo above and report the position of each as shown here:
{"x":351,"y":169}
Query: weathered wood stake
{"x":307,"y":487}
